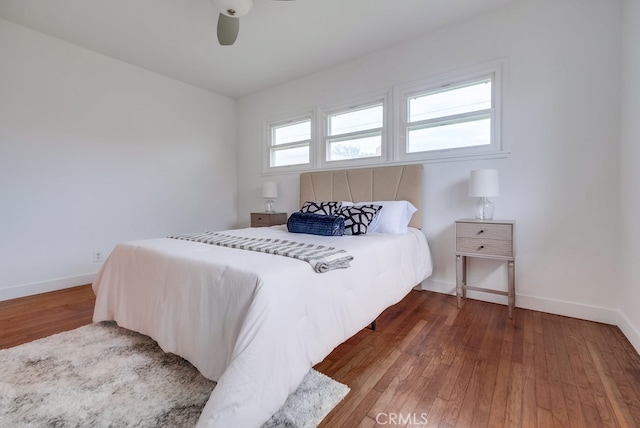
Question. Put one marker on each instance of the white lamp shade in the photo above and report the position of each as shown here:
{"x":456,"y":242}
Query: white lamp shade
{"x":484,"y":183}
{"x":270,"y":189}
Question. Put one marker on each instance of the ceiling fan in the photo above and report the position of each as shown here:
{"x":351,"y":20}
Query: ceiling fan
{"x":229,"y":18}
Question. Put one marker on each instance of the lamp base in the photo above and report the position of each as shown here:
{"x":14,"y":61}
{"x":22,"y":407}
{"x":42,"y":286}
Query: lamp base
{"x":268,"y":205}
{"x":484,"y":209}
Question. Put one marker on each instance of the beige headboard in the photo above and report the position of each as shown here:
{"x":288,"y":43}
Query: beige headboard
{"x":386,"y":183}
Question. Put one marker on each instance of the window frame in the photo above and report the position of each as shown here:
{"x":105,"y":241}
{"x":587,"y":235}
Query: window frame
{"x":393,"y":150}
{"x":269,"y":147}
{"x":360,"y":104}
{"x":403,"y":93}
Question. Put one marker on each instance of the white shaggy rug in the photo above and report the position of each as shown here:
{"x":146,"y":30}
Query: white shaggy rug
{"x":101,"y":375}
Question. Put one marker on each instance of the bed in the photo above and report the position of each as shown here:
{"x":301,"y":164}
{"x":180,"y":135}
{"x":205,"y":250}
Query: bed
{"x":254,"y":322}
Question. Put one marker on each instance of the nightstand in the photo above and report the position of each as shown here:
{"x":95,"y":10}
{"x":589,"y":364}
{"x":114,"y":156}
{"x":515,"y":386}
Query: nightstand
{"x":489,"y":240}
{"x":267,"y":219}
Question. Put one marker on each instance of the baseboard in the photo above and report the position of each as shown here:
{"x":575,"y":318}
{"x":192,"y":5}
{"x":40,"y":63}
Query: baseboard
{"x":438,"y":286}
{"x":45,"y":286}
{"x":569,"y":309}
{"x":628,"y":329}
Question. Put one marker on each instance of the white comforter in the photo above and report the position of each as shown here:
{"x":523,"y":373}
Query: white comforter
{"x":254,"y":322}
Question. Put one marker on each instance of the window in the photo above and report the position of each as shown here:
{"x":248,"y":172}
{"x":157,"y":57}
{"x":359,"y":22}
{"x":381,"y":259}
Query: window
{"x":354,"y":133}
{"x":451,"y":118}
{"x":289,"y":143}
{"x":454,"y":118}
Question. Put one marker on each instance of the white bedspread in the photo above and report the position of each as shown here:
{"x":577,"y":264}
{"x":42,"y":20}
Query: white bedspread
{"x":254,"y":322}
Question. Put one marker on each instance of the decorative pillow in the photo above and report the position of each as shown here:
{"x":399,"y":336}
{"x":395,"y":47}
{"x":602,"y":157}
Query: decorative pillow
{"x":394,"y":218}
{"x":315,"y":224}
{"x":326,"y":208}
{"x":358,"y":217}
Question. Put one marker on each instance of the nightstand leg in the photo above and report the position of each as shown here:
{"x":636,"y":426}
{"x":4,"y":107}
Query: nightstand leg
{"x":512,"y":287}
{"x":464,"y":277}
{"x":459,"y":279}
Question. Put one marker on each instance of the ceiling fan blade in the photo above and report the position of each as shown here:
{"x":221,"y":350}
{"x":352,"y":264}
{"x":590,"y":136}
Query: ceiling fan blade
{"x":227,"y":29}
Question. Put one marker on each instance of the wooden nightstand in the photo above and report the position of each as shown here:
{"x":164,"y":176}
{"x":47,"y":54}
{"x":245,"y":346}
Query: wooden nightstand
{"x":267,"y":219}
{"x":489,"y":240}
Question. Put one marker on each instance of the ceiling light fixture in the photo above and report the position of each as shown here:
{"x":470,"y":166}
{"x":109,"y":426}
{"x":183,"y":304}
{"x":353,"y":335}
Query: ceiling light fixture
{"x":228,"y":20}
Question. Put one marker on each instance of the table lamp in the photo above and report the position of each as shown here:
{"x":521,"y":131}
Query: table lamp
{"x":269,"y":192}
{"x":483,"y":183}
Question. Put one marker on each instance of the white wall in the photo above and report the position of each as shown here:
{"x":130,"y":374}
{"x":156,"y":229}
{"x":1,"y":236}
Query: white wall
{"x":94,"y":151}
{"x":630,"y":174}
{"x":561,"y":125}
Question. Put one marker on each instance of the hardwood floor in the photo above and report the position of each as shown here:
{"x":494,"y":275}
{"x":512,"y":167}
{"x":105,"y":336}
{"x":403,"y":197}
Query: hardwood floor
{"x":434,"y":365}
{"x":430,"y":364}
{"x":29,"y":318}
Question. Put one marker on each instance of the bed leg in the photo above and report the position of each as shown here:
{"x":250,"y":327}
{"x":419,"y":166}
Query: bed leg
{"x":373,"y":325}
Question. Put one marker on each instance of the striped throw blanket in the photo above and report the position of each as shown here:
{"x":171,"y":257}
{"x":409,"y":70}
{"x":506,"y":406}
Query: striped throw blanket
{"x":320,"y":257}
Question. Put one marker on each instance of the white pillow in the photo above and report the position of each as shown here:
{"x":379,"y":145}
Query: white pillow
{"x":393,"y":218}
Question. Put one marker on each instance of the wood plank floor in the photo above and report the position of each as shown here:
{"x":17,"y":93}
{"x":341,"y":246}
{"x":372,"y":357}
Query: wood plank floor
{"x":430,"y":364}
{"x":29,"y":318}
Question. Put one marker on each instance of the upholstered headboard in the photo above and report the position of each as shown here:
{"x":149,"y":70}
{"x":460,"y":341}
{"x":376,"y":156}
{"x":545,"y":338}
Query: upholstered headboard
{"x":386,"y":183}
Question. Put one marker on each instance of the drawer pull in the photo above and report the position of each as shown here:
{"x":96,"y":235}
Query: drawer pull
{"x":481,"y":247}
{"x":481,"y":231}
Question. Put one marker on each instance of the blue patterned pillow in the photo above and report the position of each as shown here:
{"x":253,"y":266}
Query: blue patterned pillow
{"x":315,"y":224}
{"x":357,"y":218}
{"x":326,"y":208}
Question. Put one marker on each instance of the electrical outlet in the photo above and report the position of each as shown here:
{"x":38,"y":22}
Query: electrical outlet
{"x":97,"y":256}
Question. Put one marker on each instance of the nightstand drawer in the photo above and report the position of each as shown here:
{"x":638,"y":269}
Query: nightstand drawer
{"x":267,"y":219}
{"x":483,"y":246}
{"x":499,"y":231}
